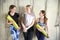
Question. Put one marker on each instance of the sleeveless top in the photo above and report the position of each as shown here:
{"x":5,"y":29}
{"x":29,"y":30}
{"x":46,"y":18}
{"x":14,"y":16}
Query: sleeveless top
{"x":42,"y":24}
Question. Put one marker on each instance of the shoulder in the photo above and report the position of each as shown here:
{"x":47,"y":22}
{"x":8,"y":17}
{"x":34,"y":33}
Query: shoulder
{"x":46,"y":21}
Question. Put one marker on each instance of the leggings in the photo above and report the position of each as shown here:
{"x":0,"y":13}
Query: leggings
{"x":29,"y":34}
{"x":14,"y":33}
{"x":39,"y":35}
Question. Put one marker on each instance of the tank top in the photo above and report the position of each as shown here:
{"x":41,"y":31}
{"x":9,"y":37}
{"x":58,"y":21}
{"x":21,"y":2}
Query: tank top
{"x":42,"y":24}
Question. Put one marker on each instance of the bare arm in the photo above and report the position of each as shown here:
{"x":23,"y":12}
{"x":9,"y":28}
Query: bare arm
{"x":46,"y":26}
{"x":47,"y":29}
{"x":22,"y":22}
{"x":9,"y":22}
{"x":23,"y":25}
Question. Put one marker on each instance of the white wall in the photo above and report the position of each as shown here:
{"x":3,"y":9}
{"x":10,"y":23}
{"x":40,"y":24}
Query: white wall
{"x":52,"y":9}
{"x":38,"y":5}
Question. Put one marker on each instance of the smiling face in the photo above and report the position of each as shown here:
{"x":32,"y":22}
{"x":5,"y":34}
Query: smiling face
{"x":41,"y":14}
{"x":13,"y":10}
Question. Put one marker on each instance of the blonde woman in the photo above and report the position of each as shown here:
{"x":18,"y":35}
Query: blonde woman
{"x":28,"y":24}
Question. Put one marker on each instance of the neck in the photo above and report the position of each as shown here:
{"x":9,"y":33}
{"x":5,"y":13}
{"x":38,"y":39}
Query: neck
{"x":28,"y":12}
{"x":12,"y":14}
{"x":42,"y":17}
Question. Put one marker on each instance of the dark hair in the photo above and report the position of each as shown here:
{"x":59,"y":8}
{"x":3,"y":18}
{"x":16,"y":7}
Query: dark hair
{"x":11,"y":7}
{"x":45,"y":18}
{"x":28,"y":5}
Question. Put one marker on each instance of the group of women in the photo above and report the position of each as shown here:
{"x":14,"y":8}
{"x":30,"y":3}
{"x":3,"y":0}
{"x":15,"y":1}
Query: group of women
{"x":27,"y":23}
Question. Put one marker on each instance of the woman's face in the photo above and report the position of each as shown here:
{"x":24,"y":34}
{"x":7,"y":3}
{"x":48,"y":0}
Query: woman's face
{"x":41,"y":14}
{"x":13,"y":10}
{"x":29,"y":9}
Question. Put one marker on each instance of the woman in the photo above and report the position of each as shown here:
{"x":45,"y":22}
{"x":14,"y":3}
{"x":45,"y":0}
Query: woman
{"x":28,"y":24}
{"x":14,"y":32}
{"x":42,"y":21}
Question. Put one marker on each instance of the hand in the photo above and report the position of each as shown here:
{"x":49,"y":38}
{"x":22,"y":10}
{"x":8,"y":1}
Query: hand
{"x":25,"y":30}
{"x":40,"y":30}
{"x":19,"y":28}
{"x":48,"y":35}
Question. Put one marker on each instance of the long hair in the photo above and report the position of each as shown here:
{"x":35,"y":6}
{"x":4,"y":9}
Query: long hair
{"x":11,"y":7}
{"x":45,"y":18}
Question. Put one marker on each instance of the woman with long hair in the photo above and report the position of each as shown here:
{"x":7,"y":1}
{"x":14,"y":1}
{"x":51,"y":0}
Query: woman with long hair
{"x":28,"y":24}
{"x":42,"y":21}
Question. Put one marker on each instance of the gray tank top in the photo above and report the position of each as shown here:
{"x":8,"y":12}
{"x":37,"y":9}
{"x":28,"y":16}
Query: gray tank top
{"x":42,"y":24}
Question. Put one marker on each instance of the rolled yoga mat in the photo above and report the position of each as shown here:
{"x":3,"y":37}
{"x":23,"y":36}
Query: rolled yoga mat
{"x":42,"y":30}
{"x":9,"y":18}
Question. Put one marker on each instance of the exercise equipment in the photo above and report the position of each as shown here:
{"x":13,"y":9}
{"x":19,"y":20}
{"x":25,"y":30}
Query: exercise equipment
{"x":9,"y":18}
{"x":41,"y":29}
